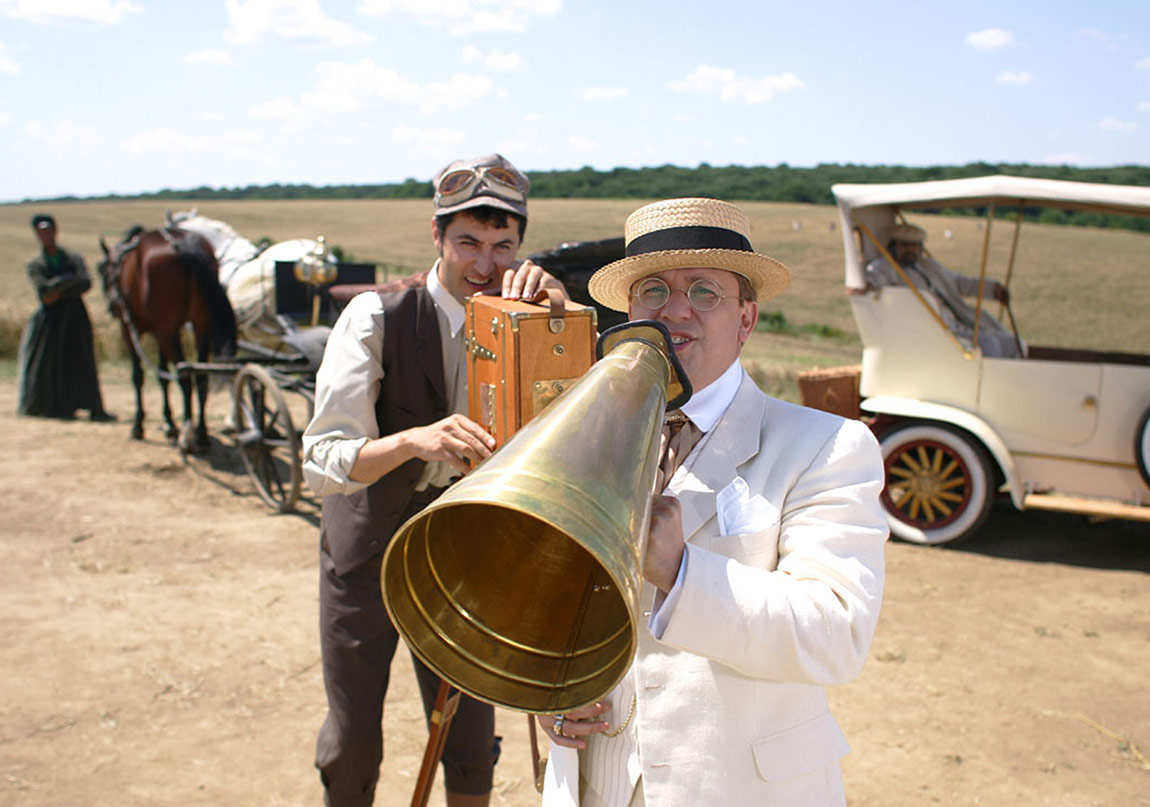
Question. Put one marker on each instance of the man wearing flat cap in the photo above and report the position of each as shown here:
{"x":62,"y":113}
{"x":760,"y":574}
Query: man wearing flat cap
{"x":57,"y":360}
{"x":389,"y":434}
{"x":763,"y":572}
{"x":948,"y":288}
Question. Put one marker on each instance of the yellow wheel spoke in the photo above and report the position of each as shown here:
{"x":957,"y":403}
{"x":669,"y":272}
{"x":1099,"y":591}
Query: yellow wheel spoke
{"x":928,"y":483}
{"x":923,"y":458}
{"x":936,"y":466}
{"x":908,"y":460}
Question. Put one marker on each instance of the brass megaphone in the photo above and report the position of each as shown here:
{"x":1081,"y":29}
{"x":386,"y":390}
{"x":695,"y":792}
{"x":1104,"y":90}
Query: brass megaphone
{"x":520,"y":584}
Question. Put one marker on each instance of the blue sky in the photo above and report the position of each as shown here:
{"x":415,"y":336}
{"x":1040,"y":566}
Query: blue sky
{"x":123,"y":96}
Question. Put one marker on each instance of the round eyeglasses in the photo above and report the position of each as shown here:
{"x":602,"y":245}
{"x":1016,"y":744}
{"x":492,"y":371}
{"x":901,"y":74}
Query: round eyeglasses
{"x":464,"y":183}
{"x":704,"y":295}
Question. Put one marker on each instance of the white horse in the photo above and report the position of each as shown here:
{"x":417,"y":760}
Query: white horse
{"x":247,"y":273}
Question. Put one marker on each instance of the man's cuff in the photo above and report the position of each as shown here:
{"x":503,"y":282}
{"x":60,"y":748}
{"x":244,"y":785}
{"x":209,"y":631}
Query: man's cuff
{"x":664,"y":605}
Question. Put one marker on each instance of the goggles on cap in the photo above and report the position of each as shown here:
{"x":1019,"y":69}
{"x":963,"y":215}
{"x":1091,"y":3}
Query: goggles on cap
{"x":704,"y":295}
{"x":464,"y":183}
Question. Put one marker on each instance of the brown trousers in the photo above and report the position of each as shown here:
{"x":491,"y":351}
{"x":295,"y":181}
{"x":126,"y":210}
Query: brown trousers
{"x":358,"y":643}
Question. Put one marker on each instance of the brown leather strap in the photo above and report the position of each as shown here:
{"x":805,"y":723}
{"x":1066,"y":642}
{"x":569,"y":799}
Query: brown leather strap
{"x":557,"y":303}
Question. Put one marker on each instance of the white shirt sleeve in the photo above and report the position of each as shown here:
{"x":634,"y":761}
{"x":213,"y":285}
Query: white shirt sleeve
{"x":346,"y":389}
{"x":664,"y":605}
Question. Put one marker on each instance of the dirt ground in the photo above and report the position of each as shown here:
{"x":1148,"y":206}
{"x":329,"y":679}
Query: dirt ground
{"x":158,"y":645}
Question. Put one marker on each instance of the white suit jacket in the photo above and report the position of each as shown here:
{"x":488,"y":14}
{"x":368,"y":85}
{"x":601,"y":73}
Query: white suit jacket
{"x":731,"y":709}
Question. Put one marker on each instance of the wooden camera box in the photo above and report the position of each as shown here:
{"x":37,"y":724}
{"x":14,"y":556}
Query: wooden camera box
{"x":521,"y":356}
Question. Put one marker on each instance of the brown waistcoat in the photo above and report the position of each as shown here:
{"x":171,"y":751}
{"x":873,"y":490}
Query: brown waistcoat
{"x":357,"y":527}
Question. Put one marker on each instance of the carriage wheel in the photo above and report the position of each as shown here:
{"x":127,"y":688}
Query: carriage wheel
{"x":267,"y":439}
{"x":938,"y":484}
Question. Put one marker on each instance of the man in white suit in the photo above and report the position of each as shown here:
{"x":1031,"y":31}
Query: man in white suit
{"x":763,"y":572}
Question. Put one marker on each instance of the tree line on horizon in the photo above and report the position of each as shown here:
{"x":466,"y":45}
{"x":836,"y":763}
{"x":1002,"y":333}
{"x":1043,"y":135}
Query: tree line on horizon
{"x":780,"y":183}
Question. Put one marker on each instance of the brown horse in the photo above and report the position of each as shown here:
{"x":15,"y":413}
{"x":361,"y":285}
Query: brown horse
{"x":157,"y":281}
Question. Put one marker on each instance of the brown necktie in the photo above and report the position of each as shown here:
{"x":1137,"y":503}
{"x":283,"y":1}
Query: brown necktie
{"x":679,"y":437}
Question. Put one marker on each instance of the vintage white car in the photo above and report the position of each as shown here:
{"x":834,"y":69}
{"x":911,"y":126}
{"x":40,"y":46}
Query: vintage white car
{"x":1057,"y":428}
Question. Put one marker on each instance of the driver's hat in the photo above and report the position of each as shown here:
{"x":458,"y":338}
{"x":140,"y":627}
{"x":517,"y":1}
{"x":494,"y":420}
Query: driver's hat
{"x":908,"y":233}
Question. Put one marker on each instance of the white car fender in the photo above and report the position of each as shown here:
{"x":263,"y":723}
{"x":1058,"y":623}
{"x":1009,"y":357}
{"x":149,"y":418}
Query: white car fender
{"x":924,"y":410}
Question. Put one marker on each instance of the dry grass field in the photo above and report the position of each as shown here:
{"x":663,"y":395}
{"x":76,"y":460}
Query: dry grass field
{"x":158,"y":641}
{"x":1056,"y":300}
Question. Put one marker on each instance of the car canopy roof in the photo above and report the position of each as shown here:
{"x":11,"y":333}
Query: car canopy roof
{"x":875,"y":205}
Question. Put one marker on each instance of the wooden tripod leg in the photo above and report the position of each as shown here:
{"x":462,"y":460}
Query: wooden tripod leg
{"x":446,"y":704}
{"x":538,"y":764}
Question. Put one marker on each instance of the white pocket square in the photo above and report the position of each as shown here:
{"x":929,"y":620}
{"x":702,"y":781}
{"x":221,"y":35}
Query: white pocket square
{"x":740,"y":512}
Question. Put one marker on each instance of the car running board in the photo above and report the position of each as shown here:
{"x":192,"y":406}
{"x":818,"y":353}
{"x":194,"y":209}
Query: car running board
{"x":1085,"y":506}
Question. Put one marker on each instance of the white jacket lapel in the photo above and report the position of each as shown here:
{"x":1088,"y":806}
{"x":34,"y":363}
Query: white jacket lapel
{"x":733,"y":441}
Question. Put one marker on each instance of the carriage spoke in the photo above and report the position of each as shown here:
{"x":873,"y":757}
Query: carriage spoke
{"x":269,"y":444}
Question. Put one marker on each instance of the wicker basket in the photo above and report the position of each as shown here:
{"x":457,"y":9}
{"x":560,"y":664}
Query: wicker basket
{"x":832,"y":389}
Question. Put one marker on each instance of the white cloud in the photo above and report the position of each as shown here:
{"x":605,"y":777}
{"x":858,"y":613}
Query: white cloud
{"x":990,"y":39}
{"x":1144,"y":106}
{"x":462,"y":17}
{"x":5,"y":119}
{"x":494,"y":59}
{"x":582,"y":143}
{"x":63,"y":134}
{"x":601,"y":93}
{"x":8,"y":64}
{"x":49,"y":12}
{"x":209,"y":56}
{"x":344,"y":87}
{"x":251,"y":20}
{"x":1142,"y":64}
{"x":1018,"y":78}
{"x":733,"y":88}
{"x":166,"y":140}
{"x":1114,"y":125}
{"x":740,"y":140}
{"x":427,"y":141}
{"x":1107,"y":41}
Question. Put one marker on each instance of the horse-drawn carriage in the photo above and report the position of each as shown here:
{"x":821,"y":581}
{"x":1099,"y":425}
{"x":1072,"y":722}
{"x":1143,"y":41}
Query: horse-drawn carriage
{"x":270,"y":341}
{"x":259,"y":318}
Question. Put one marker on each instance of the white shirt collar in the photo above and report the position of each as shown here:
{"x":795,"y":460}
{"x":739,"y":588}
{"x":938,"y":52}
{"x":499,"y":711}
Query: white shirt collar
{"x":708,"y":404}
{"x":452,"y":308}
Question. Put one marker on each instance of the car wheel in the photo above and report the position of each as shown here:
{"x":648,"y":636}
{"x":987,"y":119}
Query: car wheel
{"x":1142,"y":447}
{"x":938,"y":484}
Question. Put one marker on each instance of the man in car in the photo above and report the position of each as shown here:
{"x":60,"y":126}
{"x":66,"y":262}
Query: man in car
{"x":948,"y":289}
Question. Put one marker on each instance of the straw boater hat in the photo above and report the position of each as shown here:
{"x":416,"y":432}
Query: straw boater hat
{"x":686,"y":234}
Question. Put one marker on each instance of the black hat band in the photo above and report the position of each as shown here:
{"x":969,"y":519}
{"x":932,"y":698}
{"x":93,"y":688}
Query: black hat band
{"x":697,"y":237}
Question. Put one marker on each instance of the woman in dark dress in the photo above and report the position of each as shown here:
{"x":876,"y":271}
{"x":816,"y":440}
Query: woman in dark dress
{"x":57,"y":353}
